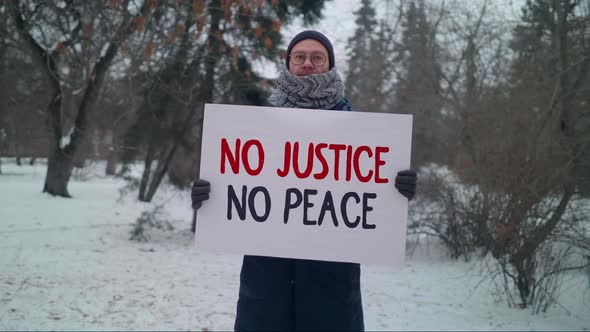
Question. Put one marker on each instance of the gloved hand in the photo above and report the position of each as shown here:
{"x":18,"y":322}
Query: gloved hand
{"x":405,"y":182}
{"x":200,"y":192}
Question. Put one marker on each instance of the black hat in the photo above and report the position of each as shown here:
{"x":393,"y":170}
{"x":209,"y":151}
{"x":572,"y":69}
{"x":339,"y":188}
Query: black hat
{"x":315,"y":35}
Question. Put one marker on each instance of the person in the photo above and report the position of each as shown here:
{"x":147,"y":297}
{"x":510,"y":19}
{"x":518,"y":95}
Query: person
{"x":296,"y":294}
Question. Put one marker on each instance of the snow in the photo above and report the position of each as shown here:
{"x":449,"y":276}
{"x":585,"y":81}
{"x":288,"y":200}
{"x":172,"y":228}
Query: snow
{"x":134,"y":6}
{"x":65,"y":70}
{"x":69,"y":264}
{"x":65,"y":140}
{"x":104,"y":50}
{"x":77,"y":91}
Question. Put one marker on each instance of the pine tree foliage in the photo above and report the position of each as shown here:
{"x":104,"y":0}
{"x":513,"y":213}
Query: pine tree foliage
{"x":418,"y":86}
{"x":202,"y":51}
{"x":359,"y":78}
{"x":370,"y":68}
{"x":552,"y":73}
{"x":527,"y":137}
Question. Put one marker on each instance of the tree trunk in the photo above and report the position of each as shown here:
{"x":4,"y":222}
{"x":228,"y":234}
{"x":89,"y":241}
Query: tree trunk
{"x":59,"y":170}
{"x":112,"y":153}
{"x":163,"y":164}
{"x":60,"y":162}
{"x":194,"y":223}
{"x":210,"y":64}
{"x":145,"y":177}
{"x":14,"y":132}
{"x":159,"y":174}
{"x":198,"y":165}
{"x":165,"y":158}
{"x":466,"y":135}
{"x":525,"y":280}
{"x":79,"y":161}
{"x":111,"y":161}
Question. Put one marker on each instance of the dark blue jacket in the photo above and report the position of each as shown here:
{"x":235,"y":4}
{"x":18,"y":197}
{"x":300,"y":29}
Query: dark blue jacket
{"x":283,"y":294}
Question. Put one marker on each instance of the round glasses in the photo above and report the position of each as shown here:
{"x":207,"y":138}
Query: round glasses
{"x":318,"y":59}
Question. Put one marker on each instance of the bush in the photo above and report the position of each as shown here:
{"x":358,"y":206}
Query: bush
{"x":152,"y":219}
{"x":532,"y":240}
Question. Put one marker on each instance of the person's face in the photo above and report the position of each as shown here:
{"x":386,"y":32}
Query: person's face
{"x":314,"y":52}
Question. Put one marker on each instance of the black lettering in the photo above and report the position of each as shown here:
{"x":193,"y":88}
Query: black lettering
{"x":307,"y":204}
{"x":288,"y":204}
{"x":367,"y":208}
{"x":251,"y":200}
{"x":345,"y":199}
{"x":233,"y":198}
{"x":328,"y":205}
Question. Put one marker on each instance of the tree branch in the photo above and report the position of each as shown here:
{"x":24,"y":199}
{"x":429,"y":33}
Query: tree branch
{"x":48,"y":65}
{"x":99,"y":72}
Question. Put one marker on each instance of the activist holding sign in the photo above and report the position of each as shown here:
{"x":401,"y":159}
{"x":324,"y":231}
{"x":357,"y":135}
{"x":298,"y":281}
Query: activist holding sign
{"x":297,"y":294}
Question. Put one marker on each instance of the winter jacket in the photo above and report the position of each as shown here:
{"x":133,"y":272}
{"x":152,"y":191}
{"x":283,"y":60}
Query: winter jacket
{"x":284,"y":294}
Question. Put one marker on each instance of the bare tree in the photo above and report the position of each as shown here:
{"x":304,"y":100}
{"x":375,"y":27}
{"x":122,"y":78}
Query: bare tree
{"x":79,"y":38}
{"x":207,"y":51}
{"x":522,"y":134}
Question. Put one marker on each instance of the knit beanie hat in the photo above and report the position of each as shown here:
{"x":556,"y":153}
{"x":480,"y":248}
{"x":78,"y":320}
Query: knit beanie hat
{"x":315,"y":35}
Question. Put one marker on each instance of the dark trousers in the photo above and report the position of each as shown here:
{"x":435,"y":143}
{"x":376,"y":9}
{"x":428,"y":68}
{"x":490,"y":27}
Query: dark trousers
{"x":293,"y":294}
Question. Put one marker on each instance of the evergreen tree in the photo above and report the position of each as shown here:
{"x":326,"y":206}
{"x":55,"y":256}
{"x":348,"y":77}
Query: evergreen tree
{"x":530,"y":135}
{"x":549,"y":81}
{"x":418,"y":87}
{"x":215,"y":66}
{"x":552,"y":51}
{"x":360,"y":78}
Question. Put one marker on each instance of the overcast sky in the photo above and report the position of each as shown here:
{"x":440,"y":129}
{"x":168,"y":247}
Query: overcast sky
{"x":338,"y":25}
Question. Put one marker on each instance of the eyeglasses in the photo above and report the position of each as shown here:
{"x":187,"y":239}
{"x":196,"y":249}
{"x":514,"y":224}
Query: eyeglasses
{"x":318,"y":59}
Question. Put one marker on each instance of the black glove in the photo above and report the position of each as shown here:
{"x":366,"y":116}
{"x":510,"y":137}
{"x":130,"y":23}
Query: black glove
{"x":405,"y":182}
{"x":200,"y":192}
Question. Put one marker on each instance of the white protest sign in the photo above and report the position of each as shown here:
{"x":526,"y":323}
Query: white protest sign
{"x":310,"y":184}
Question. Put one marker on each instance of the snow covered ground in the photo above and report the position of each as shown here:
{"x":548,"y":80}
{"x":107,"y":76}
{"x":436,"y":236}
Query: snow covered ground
{"x":68,"y":264}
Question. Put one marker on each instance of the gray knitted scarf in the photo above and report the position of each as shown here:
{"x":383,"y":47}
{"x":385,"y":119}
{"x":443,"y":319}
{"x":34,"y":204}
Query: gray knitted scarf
{"x":319,"y":91}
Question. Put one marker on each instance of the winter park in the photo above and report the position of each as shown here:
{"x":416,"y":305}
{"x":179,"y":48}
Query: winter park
{"x":295,"y":165}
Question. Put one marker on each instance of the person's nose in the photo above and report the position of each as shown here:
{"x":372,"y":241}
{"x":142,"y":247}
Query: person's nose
{"x":307,"y":63}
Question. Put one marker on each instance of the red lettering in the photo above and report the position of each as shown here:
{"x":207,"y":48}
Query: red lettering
{"x":316,"y":160}
{"x":318,"y":152}
{"x":357,"y":170}
{"x":336,"y":148}
{"x":348,"y":162}
{"x":282,"y":173}
{"x":246,"y":161}
{"x":233,"y":157}
{"x":308,"y":167}
{"x":379,"y":162}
